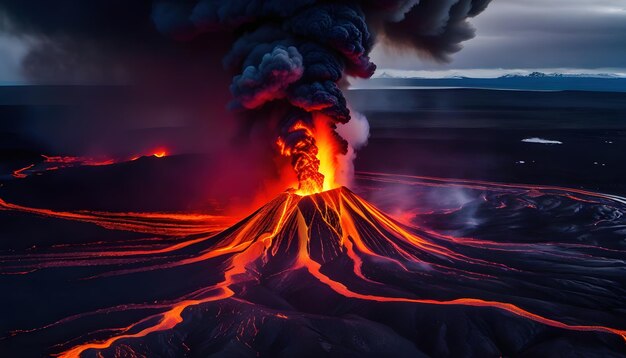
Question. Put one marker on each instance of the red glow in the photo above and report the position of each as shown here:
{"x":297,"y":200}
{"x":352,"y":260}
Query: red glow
{"x":20,"y":172}
{"x":314,"y":156}
{"x":52,"y":163}
{"x":160,"y":153}
{"x":327,"y":152}
{"x":68,"y":161}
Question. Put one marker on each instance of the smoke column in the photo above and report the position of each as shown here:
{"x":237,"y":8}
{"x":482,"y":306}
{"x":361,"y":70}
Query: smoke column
{"x":286,"y":58}
{"x":289,"y":57}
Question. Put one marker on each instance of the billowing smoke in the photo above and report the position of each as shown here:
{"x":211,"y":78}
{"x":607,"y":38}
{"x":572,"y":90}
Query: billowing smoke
{"x":285,"y":59}
{"x":432,"y":28}
{"x":291,"y":56}
{"x":356,"y":133}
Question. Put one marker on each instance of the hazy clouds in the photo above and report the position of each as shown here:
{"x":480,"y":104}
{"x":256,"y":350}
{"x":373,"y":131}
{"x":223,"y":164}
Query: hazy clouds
{"x":12,"y":51}
{"x":510,"y":34}
{"x":537,"y":34}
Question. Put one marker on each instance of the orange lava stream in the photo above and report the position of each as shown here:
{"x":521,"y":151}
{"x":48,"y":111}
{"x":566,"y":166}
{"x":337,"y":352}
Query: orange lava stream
{"x":173,"y":316}
{"x":258,"y":239}
{"x":170,"y":224}
{"x":314,"y":268}
{"x":168,"y":320}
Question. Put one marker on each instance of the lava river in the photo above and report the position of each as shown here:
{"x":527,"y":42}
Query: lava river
{"x":500,"y":270}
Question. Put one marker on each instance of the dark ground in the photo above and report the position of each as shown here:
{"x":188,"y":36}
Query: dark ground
{"x":462,"y":133}
{"x":466,"y":133}
{"x":474,"y":134}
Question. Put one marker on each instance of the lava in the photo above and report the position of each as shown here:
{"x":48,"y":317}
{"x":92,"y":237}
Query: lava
{"x":20,"y":172}
{"x":309,"y":234}
{"x":53,"y":163}
{"x":314,"y":154}
{"x":327,"y":152}
{"x":160,"y":153}
{"x":155,"y":223}
{"x":304,"y":158}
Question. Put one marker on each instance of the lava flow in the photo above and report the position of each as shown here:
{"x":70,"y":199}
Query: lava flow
{"x":322,"y":254}
{"x":52,"y":163}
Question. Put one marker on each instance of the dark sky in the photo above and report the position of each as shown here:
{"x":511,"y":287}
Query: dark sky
{"x":510,"y":34}
{"x":514,"y":34}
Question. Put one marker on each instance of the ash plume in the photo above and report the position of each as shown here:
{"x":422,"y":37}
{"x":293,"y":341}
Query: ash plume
{"x":287,"y":58}
{"x":294,"y":54}
{"x":433,"y":28}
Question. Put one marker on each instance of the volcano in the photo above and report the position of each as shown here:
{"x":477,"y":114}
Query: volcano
{"x":329,"y":274}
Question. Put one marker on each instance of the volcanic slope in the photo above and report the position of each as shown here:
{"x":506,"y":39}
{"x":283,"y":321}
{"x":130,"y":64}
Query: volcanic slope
{"x":331,"y":275}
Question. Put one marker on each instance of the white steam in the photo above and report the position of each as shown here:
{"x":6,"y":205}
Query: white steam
{"x":355,"y":132}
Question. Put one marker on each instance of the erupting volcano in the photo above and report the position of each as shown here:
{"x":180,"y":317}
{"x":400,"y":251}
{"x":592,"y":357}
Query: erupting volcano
{"x":287,"y":278}
{"x":403,"y":268}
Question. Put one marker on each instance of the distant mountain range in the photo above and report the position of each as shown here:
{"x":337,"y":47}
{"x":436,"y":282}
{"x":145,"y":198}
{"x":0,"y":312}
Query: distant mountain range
{"x":533,"y":81}
{"x":537,"y":74}
{"x":493,"y":74}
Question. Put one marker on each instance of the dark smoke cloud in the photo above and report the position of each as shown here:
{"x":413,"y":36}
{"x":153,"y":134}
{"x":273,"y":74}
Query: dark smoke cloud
{"x":108,"y":35}
{"x":103,"y":39}
{"x":435,"y":28}
{"x":285,"y":55}
{"x":296,"y":52}
{"x":331,"y":38}
{"x":105,"y":42}
{"x":77,"y":41}
{"x":270,"y":80}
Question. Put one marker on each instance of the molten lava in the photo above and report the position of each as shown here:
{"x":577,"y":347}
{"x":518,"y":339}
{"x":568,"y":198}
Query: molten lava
{"x":313,"y":155}
{"x":327,"y":152}
{"x":160,"y":153}
{"x":53,"y":163}
{"x":321,"y":254}
{"x":335,"y":241}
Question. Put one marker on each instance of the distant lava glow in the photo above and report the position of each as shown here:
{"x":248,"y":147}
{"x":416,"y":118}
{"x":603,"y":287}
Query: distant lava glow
{"x":52,"y":163}
{"x":296,"y":237}
{"x":160,"y":153}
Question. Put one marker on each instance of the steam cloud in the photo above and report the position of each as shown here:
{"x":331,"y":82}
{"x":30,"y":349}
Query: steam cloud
{"x":287,"y":57}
